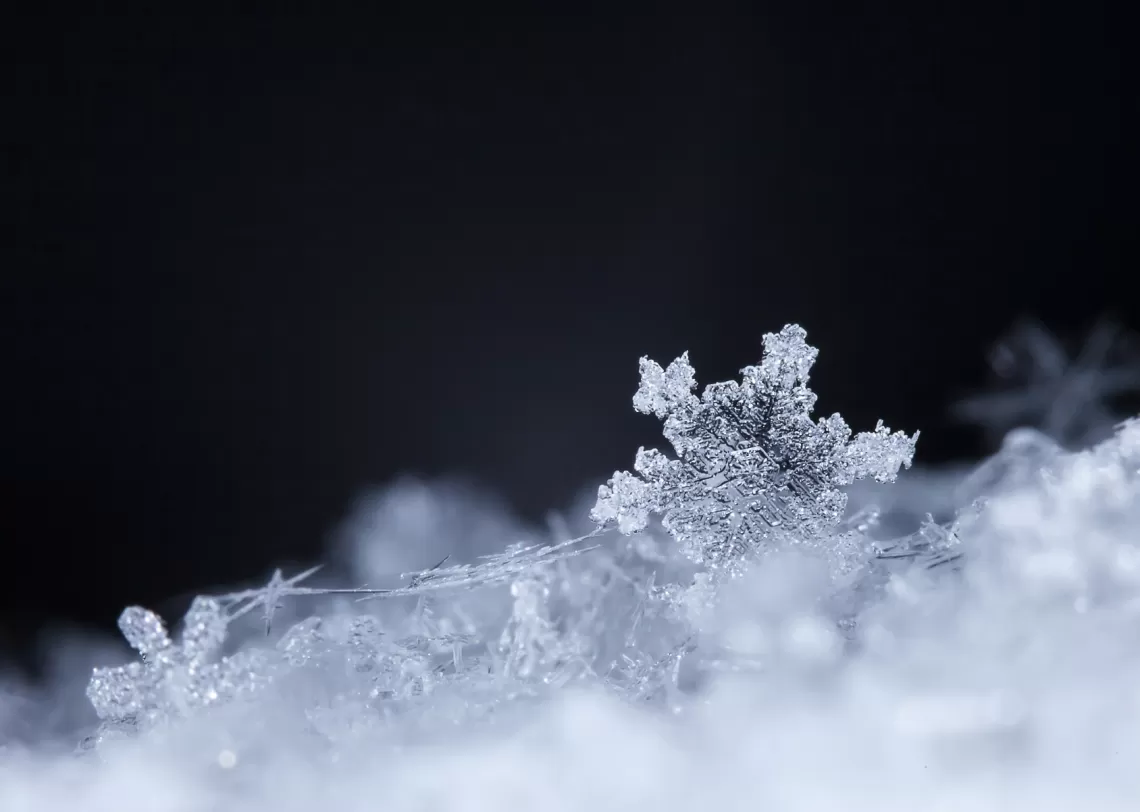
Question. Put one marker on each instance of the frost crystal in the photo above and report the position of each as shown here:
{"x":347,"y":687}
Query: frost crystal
{"x":750,"y":461}
{"x":269,"y":597}
{"x":500,"y":568}
{"x":171,"y":679}
{"x":932,"y":545}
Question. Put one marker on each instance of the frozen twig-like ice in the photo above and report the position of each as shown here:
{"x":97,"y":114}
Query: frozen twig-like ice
{"x":751,"y":462}
{"x":172,"y":679}
{"x":491,"y":569}
{"x":932,"y":545}
{"x":269,"y":597}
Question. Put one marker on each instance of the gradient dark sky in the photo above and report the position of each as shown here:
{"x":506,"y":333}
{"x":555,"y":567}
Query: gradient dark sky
{"x":259,"y":265}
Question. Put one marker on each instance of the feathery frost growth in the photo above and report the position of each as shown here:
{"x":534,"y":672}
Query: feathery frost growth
{"x":172,"y":679}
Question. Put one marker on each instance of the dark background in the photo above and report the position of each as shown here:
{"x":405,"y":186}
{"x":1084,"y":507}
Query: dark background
{"x":259,"y":265}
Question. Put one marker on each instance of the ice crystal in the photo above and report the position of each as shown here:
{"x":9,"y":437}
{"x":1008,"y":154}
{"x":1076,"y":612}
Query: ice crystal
{"x":932,"y":545}
{"x":499,"y":568}
{"x":270,"y":596}
{"x":1001,"y":631}
{"x":750,"y":461}
{"x":172,"y":679}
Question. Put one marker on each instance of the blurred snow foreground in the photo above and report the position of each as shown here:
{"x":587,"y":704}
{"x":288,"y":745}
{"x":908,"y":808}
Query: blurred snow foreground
{"x":731,"y":635}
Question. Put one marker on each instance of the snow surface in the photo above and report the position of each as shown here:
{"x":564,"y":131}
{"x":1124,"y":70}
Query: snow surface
{"x":1011,"y":681}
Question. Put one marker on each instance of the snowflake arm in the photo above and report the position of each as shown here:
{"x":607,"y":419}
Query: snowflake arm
{"x":663,"y":391}
{"x":879,"y":454}
{"x":171,"y":678}
{"x":627,"y":500}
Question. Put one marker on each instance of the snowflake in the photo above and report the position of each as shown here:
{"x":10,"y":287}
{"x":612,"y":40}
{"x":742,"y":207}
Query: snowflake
{"x":171,"y":679}
{"x":1044,"y":388}
{"x":750,"y":462}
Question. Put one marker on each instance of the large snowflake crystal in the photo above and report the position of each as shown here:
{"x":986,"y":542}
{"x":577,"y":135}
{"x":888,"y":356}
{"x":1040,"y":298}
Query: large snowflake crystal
{"x":750,"y":460}
{"x":171,"y":679}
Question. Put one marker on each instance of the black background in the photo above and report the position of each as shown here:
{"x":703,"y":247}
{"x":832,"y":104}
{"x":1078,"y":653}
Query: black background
{"x":258,"y":265}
